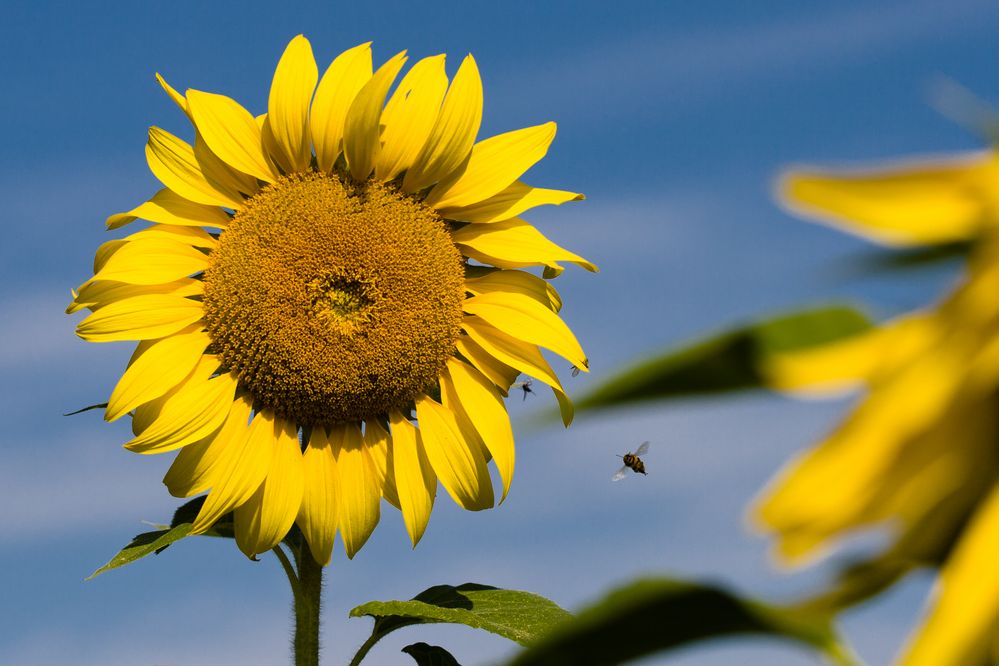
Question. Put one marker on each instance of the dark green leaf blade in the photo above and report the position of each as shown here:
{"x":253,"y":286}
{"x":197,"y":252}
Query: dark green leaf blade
{"x":101,"y":405}
{"x":519,"y":616}
{"x":144,"y":544}
{"x":729,"y":361}
{"x":652,"y":615}
{"x":430,"y":655}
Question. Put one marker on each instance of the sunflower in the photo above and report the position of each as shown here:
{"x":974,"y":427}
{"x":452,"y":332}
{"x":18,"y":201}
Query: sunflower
{"x":919,"y":455}
{"x":329,"y":304}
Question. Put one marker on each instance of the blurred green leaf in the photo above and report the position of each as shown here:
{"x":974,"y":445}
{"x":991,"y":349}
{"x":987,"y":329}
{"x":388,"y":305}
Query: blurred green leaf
{"x":144,"y":544}
{"x":728,"y":361}
{"x":889,"y":261}
{"x":430,"y":655}
{"x":519,"y":616}
{"x":656,"y":614}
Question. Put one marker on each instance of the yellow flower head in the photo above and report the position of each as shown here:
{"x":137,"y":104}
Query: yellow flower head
{"x":919,"y":454}
{"x":312,"y":333}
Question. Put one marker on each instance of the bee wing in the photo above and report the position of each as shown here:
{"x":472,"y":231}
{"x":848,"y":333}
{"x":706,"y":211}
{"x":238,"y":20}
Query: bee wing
{"x":643,"y":449}
{"x":620,"y":473}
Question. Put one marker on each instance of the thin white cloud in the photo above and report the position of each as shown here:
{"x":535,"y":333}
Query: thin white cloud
{"x":682,"y":69}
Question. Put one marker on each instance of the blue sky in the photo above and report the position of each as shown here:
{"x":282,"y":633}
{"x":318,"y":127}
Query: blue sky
{"x":674,"y":119}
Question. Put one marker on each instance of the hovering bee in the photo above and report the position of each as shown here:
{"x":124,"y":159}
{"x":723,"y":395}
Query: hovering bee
{"x":632,"y":461}
{"x":525,"y":386}
{"x":575,"y":371}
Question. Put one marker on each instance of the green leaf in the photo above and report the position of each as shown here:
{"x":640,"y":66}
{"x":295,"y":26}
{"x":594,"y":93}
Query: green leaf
{"x":519,"y":616}
{"x":144,"y":544}
{"x":882,"y":261}
{"x":729,"y":361}
{"x":430,"y":655}
{"x":656,"y":614}
{"x":156,"y":541}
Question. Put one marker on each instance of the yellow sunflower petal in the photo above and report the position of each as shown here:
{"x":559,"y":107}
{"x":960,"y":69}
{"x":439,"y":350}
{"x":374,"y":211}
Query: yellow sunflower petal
{"x":510,"y":202}
{"x":235,"y":184}
{"x":231,"y":132}
{"x":192,"y":236}
{"x":520,"y":355}
{"x":345,"y":76}
{"x":286,"y":129}
{"x":105,"y":251}
{"x":200,"y":466}
{"x":265,"y":518}
{"x":173,"y":162}
{"x":513,"y":243}
{"x":140,"y":318}
{"x":453,"y":135}
{"x":414,"y":476}
{"x":499,"y":373}
{"x":409,"y":116}
{"x":98,"y":294}
{"x":247,"y":461}
{"x":961,"y":626}
{"x":483,"y":403}
{"x":360,"y":496}
{"x":173,"y":94}
{"x":361,"y":128}
{"x":168,"y":207}
{"x":153,"y":261}
{"x":494,"y":164}
{"x":523,"y":317}
{"x":188,"y":412}
{"x":920,"y":203}
{"x":318,"y":517}
{"x":377,"y":444}
{"x":156,"y":367}
{"x":460,"y":467}
{"x":846,"y":363}
{"x":519,"y":282}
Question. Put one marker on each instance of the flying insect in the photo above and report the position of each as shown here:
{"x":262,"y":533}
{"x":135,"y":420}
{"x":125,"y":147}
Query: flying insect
{"x":633,"y":462}
{"x":524,"y":386}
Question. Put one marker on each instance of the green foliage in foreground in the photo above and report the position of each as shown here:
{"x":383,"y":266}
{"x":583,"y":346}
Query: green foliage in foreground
{"x":729,"y":361}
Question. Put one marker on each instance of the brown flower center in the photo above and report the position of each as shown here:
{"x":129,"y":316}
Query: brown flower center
{"x":334,"y":301}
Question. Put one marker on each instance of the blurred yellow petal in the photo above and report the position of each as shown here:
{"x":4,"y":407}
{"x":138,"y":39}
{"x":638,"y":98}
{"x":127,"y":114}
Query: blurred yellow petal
{"x":156,"y":367}
{"x":231,"y":132}
{"x":460,"y":466}
{"x":265,"y":518}
{"x":414,"y":476}
{"x":318,"y":518}
{"x":508,"y":203}
{"x":493,"y":165}
{"x":168,"y":207}
{"x":361,"y":143}
{"x":513,"y":243}
{"x":344,"y":78}
{"x":479,"y":397}
{"x":140,"y":318}
{"x":960,"y":628}
{"x":521,"y":316}
{"x":409,"y":116}
{"x":286,"y":129}
{"x":921,"y":203}
{"x":453,"y":135}
{"x":360,"y":496}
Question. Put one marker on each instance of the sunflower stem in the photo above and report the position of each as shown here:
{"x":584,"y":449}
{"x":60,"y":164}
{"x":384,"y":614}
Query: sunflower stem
{"x":307,"y":606}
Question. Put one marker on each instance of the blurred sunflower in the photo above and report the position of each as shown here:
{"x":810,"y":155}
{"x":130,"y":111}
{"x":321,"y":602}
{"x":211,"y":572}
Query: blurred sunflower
{"x":919,"y":454}
{"x":331,"y":344}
